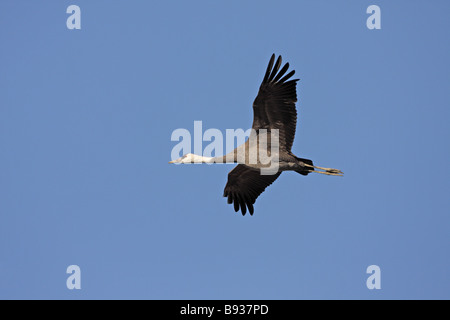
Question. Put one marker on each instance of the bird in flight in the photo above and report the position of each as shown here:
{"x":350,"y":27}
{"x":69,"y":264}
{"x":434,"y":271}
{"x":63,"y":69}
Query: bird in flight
{"x":273,"y":112}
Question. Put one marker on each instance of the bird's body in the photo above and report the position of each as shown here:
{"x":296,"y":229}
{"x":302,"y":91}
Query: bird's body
{"x":267,"y":152}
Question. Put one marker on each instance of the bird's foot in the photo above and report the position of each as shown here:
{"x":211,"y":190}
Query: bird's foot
{"x":327,"y":171}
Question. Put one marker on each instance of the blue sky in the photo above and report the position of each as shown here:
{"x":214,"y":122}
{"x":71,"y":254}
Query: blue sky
{"x":86,"y":118}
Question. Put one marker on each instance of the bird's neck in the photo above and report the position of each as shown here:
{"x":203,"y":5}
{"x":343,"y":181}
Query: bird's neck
{"x":202,"y":159}
{"x":228,"y":158}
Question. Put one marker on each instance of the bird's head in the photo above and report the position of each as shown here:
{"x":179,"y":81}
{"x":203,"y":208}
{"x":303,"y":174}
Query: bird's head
{"x":187,"y":158}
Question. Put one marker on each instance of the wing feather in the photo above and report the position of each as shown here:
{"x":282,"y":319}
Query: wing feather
{"x":245,"y":185}
{"x":274,"y":106}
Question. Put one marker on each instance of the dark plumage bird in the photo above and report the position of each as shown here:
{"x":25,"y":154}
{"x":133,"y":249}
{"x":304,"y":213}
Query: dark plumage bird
{"x":273,"y":113}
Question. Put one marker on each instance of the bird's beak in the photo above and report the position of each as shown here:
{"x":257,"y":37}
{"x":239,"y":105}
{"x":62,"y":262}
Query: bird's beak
{"x":173,"y":161}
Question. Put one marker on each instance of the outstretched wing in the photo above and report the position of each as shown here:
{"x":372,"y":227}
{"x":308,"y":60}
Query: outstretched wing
{"x":274,"y":106}
{"x":245,"y":185}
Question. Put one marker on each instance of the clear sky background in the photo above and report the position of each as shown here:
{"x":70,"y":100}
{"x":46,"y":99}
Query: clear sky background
{"x":86,"y":118}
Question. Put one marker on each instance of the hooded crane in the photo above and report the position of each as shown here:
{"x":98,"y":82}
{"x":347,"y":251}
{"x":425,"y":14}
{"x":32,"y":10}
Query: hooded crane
{"x":273,"y":111}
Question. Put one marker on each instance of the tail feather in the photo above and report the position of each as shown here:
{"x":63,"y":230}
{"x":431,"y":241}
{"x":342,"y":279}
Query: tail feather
{"x":305,"y":171}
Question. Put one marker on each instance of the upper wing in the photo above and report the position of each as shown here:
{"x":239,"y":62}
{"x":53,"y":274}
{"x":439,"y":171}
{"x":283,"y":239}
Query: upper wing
{"x":245,"y":185}
{"x":274,"y":106}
